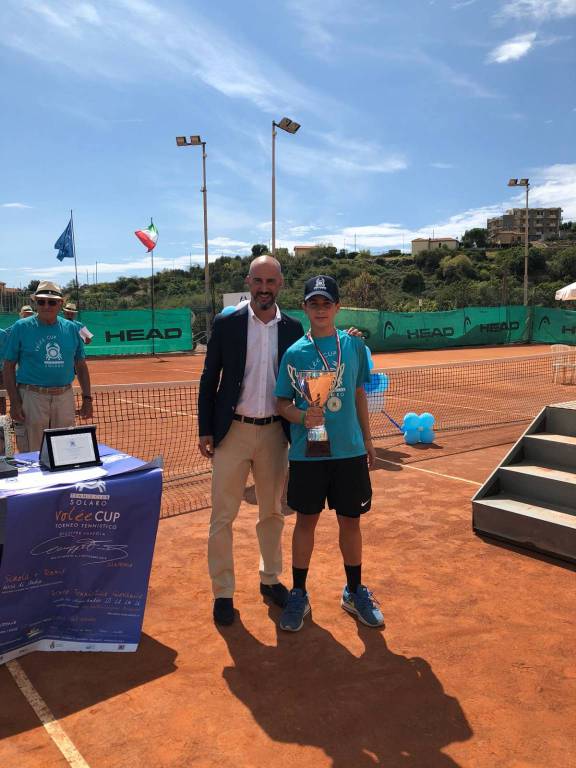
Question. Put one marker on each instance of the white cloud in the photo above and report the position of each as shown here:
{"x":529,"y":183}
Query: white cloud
{"x":136,"y":40}
{"x":14,"y":205}
{"x":512,"y":49}
{"x":227,"y":242}
{"x":555,"y":186}
{"x":442,"y":166}
{"x":540,"y":10}
{"x":338,"y":156}
{"x":320,"y":22}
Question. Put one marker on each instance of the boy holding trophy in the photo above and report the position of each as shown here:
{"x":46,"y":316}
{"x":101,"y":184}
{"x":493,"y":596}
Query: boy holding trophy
{"x":320,"y":392}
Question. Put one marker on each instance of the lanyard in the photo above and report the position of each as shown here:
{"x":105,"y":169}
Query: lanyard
{"x":325,"y":362}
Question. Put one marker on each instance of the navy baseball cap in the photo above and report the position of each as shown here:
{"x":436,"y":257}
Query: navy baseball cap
{"x":322,"y":285}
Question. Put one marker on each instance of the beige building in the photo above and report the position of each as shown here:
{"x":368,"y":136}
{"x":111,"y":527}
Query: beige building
{"x":432,"y":243}
{"x":302,"y":250}
{"x":543,"y":224}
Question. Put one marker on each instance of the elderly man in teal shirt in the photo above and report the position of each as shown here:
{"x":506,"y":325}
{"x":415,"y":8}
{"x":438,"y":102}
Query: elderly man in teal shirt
{"x":47,"y":351}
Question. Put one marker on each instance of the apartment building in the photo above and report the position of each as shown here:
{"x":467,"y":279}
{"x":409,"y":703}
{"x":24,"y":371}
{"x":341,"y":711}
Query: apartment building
{"x":543,"y":224}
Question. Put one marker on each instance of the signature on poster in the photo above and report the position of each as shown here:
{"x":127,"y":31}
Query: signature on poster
{"x":95,"y":551}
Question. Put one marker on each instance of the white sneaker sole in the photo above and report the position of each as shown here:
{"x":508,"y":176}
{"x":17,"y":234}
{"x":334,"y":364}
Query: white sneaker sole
{"x":352,"y":609}
{"x":297,"y":629}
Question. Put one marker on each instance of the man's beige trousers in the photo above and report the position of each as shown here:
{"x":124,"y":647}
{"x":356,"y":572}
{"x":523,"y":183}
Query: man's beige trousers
{"x":41,"y":412}
{"x":263,"y":449}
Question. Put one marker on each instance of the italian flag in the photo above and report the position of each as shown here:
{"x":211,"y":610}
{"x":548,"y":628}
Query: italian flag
{"x":148,"y":236}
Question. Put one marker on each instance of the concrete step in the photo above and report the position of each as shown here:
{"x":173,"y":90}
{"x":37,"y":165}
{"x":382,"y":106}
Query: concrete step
{"x":550,"y":449}
{"x":554,"y":485}
{"x":543,"y":527}
{"x":561,"y":421}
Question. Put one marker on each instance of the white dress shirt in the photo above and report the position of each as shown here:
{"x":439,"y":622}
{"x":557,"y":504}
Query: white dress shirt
{"x":257,"y":392}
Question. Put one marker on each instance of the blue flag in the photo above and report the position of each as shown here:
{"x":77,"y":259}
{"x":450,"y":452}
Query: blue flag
{"x":64,"y":244}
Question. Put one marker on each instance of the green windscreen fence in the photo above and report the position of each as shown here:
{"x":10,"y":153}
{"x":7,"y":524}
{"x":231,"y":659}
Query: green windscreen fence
{"x":471,"y":326}
{"x":132,"y":332}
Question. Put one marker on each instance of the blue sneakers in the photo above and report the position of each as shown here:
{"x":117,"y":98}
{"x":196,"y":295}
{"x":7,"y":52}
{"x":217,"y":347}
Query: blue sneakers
{"x":297,"y":607}
{"x":363,"y":605}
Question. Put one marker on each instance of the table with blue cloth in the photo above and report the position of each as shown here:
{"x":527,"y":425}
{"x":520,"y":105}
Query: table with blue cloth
{"x":75,"y":554}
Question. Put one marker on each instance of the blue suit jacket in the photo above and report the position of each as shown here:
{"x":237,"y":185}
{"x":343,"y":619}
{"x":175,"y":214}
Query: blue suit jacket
{"x":223,"y":372}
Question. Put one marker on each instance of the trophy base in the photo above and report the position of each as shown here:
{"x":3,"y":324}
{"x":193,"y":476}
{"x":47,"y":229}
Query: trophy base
{"x":318,"y":449}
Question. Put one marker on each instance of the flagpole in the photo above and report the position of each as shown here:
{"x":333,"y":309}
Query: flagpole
{"x":75,"y":264}
{"x":153,"y":305}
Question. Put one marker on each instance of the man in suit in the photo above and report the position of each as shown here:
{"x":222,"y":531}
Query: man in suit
{"x":240,"y":430}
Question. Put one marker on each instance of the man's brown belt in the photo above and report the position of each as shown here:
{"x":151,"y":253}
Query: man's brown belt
{"x":46,"y":390}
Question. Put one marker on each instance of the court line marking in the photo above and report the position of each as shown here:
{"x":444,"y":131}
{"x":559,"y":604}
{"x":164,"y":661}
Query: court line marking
{"x":58,"y":735}
{"x":428,"y":471}
{"x":154,"y":407}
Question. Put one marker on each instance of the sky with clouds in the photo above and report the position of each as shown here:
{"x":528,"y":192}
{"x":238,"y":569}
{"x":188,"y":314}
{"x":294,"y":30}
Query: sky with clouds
{"x":414,"y":114}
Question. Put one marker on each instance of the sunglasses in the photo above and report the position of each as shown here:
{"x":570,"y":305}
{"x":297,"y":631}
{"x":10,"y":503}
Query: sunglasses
{"x":50,"y":302}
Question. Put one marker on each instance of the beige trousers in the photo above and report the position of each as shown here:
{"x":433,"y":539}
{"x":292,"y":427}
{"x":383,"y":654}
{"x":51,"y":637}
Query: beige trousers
{"x":264,"y":450}
{"x":42,"y":412}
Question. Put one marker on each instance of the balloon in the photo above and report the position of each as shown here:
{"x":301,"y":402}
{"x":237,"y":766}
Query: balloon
{"x":427,"y":436}
{"x":369,"y":356}
{"x":410,"y":421}
{"x":373,"y":385}
{"x":426,"y":421}
{"x":382,"y":382}
{"x":411,"y":436}
{"x":228,"y":310}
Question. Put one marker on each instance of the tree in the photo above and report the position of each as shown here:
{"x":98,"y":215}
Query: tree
{"x":259,"y":249}
{"x":365,"y":290}
{"x":428,"y":261}
{"x":413,"y":282}
{"x":457,"y":268}
{"x":477,"y":237}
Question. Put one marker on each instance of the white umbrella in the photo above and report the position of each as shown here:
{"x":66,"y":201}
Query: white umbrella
{"x":568,"y":293}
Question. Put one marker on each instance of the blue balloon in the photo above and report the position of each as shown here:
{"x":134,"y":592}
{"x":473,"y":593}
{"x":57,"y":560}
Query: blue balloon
{"x":412,"y":436}
{"x":228,"y":310}
{"x":426,"y":420}
{"x":410,"y":421}
{"x":382,"y":382}
{"x":427,"y":436}
{"x":369,"y":356}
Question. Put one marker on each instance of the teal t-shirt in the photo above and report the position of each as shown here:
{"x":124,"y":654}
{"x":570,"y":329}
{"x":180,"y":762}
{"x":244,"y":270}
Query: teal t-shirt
{"x":3,"y":342}
{"x":45,"y":353}
{"x":343,"y":427}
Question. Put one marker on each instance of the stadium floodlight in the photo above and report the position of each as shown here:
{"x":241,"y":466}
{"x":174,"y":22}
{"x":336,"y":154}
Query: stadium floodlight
{"x":524,"y":183}
{"x":290,"y":126}
{"x":196,"y":141}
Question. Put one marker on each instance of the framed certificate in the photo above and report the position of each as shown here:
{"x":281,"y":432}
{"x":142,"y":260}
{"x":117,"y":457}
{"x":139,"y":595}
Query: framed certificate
{"x":69,"y":448}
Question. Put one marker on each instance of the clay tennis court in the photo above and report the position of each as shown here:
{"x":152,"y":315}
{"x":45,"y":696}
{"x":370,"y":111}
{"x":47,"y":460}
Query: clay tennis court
{"x":475,"y":666}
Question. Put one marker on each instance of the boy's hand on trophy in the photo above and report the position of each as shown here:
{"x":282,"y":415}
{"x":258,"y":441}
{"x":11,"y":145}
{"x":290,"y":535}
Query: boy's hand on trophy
{"x":314,"y":417}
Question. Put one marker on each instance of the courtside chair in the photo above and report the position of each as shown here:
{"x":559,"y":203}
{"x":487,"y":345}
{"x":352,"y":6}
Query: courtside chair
{"x":563,"y":363}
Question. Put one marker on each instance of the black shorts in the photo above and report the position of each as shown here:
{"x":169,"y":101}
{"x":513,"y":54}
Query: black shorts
{"x":344,"y":483}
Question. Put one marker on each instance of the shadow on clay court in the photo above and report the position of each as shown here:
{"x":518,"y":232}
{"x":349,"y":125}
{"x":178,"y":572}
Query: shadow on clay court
{"x":379,"y":709}
{"x":525,"y":552}
{"x":71,"y":682}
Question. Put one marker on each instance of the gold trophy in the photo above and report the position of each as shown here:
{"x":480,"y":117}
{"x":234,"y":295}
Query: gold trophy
{"x":315,"y":387}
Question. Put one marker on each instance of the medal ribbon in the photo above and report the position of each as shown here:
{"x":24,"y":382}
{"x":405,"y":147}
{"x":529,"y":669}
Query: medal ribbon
{"x":325,"y":362}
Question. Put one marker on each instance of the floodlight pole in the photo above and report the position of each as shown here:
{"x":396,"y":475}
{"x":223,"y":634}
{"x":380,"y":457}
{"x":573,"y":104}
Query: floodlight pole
{"x":273,"y":187}
{"x":526,"y":249}
{"x":206,"y":263}
{"x":290,"y":126}
{"x":524,"y":183}
{"x":195,"y":141}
